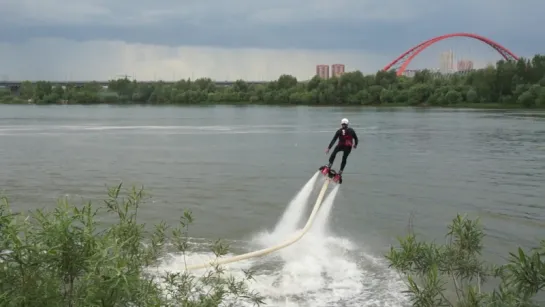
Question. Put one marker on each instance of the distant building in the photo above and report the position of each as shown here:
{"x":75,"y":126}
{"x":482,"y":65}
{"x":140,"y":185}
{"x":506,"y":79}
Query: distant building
{"x":490,"y":65}
{"x":410,"y":72}
{"x":322,"y":71}
{"x":447,"y":62}
{"x":337,"y":70}
{"x":465,"y":65}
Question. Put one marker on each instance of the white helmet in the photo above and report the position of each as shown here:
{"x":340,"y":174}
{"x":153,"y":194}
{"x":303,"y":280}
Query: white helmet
{"x":344,"y":121}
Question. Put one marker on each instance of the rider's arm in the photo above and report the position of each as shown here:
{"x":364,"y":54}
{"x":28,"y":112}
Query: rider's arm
{"x":355,"y":137}
{"x":335,"y":137}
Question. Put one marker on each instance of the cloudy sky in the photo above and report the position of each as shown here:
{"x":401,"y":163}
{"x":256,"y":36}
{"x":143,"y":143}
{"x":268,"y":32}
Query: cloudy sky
{"x":253,"y":40}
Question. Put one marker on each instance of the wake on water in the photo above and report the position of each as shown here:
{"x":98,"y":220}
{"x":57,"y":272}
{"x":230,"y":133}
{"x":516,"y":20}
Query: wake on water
{"x":318,"y":270}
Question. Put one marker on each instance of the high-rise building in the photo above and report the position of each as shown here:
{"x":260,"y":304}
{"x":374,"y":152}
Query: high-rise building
{"x":322,"y":71}
{"x":465,"y":65}
{"x":447,"y":62}
{"x":410,"y":72}
{"x":337,"y":70}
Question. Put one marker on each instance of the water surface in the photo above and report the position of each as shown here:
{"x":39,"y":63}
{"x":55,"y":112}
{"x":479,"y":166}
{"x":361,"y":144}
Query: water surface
{"x":237,"y":168}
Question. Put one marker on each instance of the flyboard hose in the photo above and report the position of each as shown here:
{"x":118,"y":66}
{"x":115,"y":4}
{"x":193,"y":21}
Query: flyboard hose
{"x":271,"y":249}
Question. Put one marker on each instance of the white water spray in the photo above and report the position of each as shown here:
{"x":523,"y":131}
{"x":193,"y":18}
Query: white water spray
{"x":320,"y":270}
{"x":323,"y":270}
{"x":321,"y":222}
{"x":293,"y":214}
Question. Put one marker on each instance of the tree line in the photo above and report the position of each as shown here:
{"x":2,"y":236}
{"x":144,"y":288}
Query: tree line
{"x":509,"y":83}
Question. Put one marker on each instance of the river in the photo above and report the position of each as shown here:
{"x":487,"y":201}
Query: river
{"x":237,"y":168}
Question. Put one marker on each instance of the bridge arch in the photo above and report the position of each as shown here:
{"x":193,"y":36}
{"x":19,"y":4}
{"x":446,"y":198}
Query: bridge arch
{"x":405,"y":58}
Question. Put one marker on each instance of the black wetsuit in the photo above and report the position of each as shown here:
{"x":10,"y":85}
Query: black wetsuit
{"x":347,"y":137}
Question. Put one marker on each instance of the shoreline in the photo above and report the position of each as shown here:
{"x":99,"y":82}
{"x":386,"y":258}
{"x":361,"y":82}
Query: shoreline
{"x":475,"y":106}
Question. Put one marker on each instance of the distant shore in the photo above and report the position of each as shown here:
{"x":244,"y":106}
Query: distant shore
{"x":491,"y":106}
{"x":507,"y":85}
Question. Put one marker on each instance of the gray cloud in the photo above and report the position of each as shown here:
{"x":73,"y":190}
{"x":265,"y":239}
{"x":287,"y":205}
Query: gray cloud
{"x":57,"y":59}
{"x":97,"y":39}
{"x":321,"y":24}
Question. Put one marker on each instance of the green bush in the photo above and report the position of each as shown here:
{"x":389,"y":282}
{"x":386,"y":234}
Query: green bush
{"x":430,"y":267}
{"x":63,"y":257}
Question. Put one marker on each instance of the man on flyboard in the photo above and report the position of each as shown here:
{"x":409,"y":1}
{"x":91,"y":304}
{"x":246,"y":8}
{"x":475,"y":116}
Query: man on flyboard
{"x":347,"y":139}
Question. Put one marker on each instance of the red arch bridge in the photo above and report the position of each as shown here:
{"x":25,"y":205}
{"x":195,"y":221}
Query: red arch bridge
{"x":400,"y":63}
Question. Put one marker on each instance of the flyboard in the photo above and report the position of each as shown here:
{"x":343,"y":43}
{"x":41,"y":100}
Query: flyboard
{"x":331,"y":174}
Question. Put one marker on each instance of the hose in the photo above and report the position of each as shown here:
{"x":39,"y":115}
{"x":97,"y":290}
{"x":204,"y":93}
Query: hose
{"x":271,"y":249}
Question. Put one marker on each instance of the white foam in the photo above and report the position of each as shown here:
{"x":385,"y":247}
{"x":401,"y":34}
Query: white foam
{"x":319,"y":270}
{"x":295,"y":210}
{"x":320,"y":223}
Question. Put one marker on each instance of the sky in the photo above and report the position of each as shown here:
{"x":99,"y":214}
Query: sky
{"x":256,"y":40}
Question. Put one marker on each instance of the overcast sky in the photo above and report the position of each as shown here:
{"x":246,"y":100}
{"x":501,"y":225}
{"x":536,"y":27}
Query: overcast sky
{"x":253,"y":40}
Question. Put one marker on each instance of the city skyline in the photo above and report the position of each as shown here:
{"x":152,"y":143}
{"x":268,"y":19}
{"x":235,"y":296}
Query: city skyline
{"x":446,"y":62}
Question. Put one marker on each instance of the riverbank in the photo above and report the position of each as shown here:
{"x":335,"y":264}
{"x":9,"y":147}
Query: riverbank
{"x":484,"y":106}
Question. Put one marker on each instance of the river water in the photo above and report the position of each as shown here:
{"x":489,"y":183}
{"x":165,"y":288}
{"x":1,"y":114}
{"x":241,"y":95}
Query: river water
{"x":238,"y":168}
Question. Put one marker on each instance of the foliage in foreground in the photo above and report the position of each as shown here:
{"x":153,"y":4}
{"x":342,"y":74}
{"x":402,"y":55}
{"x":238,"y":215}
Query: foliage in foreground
{"x":510,"y":83}
{"x":64,"y":257}
{"x":434,"y":271}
